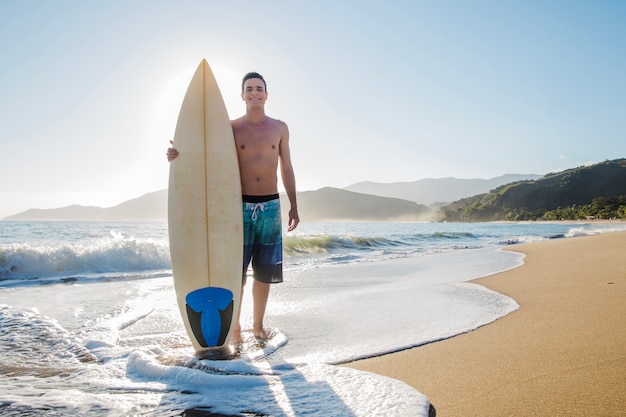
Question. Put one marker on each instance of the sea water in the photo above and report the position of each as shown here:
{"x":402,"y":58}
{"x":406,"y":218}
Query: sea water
{"x":89,"y":323}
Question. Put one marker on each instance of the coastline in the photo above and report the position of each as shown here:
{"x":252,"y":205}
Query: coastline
{"x":562,"y":353}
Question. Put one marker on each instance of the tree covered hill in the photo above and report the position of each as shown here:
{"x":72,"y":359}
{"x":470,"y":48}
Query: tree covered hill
{"x":597,"y":191}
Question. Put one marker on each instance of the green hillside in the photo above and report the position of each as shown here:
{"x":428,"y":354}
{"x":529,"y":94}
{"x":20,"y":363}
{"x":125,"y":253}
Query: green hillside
{"x":597,"y":191}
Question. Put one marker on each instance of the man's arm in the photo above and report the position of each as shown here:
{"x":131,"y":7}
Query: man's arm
{"x":288,"y":177}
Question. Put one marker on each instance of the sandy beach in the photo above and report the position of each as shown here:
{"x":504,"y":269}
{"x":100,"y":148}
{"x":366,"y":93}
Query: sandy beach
{"x":563,"y":353}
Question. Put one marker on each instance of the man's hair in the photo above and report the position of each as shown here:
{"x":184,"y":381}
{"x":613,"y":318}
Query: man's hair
{"x":251,"y":75}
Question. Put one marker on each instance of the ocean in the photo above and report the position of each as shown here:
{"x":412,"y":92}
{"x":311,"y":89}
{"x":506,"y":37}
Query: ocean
{"x":89,"y":324}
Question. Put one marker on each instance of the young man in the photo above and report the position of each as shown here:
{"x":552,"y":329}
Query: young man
{"x":262,"y":145}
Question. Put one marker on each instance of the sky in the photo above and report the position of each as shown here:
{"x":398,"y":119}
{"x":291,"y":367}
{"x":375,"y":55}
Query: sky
{"x":383,"y":91}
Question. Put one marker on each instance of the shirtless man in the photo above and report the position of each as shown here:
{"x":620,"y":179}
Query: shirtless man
{"x":262,"y":144}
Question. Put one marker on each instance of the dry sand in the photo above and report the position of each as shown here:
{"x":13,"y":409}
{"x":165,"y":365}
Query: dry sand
{"x":563,"y":353}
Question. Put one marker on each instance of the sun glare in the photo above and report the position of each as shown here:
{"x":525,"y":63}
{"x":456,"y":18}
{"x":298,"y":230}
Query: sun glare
{"x":168,"y":101}
{"x":229,"y":81}
{"x":172,"y":91}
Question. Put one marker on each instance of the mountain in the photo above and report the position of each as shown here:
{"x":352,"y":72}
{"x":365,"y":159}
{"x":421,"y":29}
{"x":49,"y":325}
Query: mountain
{"x":334,"y":204}
{"x":508,"y":197}
{"x":149,"y":207}
{"x":437,"y":190}
{"x":593,"y":191}
{"x":321,"y":205}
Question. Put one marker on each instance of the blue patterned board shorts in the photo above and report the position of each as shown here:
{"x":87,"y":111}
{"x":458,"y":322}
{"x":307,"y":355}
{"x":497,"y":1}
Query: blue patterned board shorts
{"x":262,"y":238}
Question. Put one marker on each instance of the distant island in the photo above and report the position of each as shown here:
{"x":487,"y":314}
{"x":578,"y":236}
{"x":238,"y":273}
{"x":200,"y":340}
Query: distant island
{"x":327,"y":204}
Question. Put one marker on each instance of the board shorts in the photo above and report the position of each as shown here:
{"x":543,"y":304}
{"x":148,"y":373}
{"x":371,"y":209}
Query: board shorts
{"x":262,"y":238}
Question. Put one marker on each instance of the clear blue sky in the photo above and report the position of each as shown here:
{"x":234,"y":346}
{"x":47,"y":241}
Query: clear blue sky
{"x":382,"y":91}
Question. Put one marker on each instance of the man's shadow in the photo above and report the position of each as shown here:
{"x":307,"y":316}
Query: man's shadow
{"x":286,"y":387}
{"x":293,"y":382}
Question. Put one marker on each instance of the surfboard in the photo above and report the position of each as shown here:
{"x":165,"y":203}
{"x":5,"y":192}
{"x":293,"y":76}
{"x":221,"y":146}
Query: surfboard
{"x":205,"y":218}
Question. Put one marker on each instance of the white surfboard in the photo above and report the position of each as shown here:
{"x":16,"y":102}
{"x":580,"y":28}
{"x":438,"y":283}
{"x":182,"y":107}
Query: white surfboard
{"x":205,"y":215}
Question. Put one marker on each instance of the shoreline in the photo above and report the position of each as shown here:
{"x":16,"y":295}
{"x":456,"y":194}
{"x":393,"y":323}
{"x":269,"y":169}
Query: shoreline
{"x":562,"y":353}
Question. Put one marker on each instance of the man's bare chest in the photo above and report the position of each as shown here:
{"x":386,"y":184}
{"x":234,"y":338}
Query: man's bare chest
{"x":255,"y":140}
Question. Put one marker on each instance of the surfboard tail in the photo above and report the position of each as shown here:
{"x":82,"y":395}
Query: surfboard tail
{"x":210,"y":315}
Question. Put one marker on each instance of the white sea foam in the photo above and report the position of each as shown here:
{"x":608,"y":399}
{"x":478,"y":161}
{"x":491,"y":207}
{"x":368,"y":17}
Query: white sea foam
{"x":115,"y":346}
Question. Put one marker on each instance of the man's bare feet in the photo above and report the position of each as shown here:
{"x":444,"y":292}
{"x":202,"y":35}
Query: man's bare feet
{"x":236,"y":338}
{"x":261,"y":334}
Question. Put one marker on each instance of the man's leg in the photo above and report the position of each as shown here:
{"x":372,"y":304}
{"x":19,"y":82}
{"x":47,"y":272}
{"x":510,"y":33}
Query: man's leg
{"x":260,"y":295}
{"x":236,"y":339}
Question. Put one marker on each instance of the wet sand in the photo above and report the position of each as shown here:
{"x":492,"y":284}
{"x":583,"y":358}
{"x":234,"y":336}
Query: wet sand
{"x":563,"y":353}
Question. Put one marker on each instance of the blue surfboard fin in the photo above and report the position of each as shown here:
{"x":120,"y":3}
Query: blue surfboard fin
{"x":210,"y":314}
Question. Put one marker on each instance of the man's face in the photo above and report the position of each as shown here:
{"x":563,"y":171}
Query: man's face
{"x":254,"y":93}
